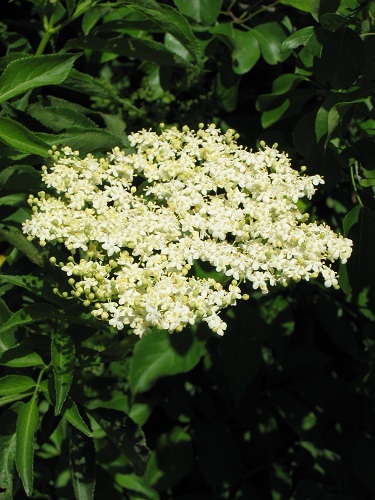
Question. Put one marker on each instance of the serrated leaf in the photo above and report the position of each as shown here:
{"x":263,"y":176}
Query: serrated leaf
{"x":7,"y":450}
{"x":139,"y":48}
{"x":15,"y":384}
{"x":28,"y":315}
{"x":69,"y":410}
{"x":58,"y":118}
{"x":170,"y":21}
{"x":20,"y":356}
{"x":82,"y":464}
{"x":87,"y":84}
{"x":71,"y":413}
{"x":18,"y":175}
{"x":125,"y":434}
{"x":35,"y":285}
{"x":63,"y":363}
{"x":5,"y":312}
{"x":161,"y":354}
{"x":86,"y":140}
{"x":37,"y":71}
{"x":27,"y":423}
{"x":19,"y":137}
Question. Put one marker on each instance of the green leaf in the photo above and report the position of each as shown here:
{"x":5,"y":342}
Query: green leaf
{"x":304,"y":5}
{"x":7,"y":451}
{"x":170,"y":21}
{"x":351,"y":218}
{"x":139,"y":48}
{"x":243,"y":45}
{"x":15,"y":384}
{"x":27,"y":423}
{"x":342,"y":59}
{"x":31,"y":72}
{"x":37,"y":286}
{"x":69,"y":410}
{"x":28,"y":315}
{"x":202,"y":11}
{"x":58,"y":118}
{"x":138,"y":485}
{"x":240,"y":355}
{"x":321,"y":7}
{"x":82,"y":464}
{"x":90,"y":18}
{"x":272,"y":116}
{"x":161,"y":354}
{"x":93,"y":87}
{"x":71,"y":413}
{"x":300,"y":37}
{"x":334,"y":108}
{"x":271,"y":37}
{"x":17,"y":175}
{"x":19,"y":137}
{"x":333,"y":22}
{"x":20,"y":356}
{"x":16,"y":238}
{"x":63,"y":363}
{"x":5,"y":312}
{"x":86,"y":140}
{"x":282,"y":85}
{"x":125,"y":434}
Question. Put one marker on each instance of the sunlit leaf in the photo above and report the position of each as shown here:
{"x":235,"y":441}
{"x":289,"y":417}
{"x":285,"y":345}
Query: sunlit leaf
{"x":31,"y":72}
{"x":162,"y":354}
{"x":27,"y":422}
{"x":15,"y":384}
{"x":271,"y":37}
{"x":298,"y":38}
{"x":18,"y":136}
{"x":202,"y":11}
{"x":63,"y":363}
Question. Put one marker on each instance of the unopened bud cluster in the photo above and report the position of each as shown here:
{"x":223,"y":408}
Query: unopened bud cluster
{"x":135,"y":225}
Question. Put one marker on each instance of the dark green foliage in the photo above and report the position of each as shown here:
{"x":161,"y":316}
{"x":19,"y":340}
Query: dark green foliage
{"x":281,"y":407}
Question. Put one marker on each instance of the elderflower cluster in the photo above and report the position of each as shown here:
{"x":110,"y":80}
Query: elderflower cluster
{"x":135,"y":225}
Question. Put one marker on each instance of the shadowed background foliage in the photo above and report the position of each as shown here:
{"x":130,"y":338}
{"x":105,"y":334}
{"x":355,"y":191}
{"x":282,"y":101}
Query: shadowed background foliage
{"x":281,"y":407}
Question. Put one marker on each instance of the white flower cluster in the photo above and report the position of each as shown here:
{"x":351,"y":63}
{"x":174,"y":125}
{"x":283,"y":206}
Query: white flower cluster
{"x":135,"y":225}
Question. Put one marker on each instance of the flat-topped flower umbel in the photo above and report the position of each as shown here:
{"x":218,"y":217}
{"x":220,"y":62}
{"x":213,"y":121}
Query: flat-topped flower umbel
{"x":135,"y":224}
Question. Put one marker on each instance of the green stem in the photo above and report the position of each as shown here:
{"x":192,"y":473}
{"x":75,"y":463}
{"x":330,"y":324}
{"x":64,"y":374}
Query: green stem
{"x":51,"y":30}
{"x":354,"y":184}
{"x":43,"y":43}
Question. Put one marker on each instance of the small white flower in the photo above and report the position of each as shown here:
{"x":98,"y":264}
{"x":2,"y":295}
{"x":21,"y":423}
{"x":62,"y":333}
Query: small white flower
{"x":206,"y":200}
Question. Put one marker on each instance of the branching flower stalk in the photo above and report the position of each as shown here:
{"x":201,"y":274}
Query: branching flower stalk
{"x":135,"y":224}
